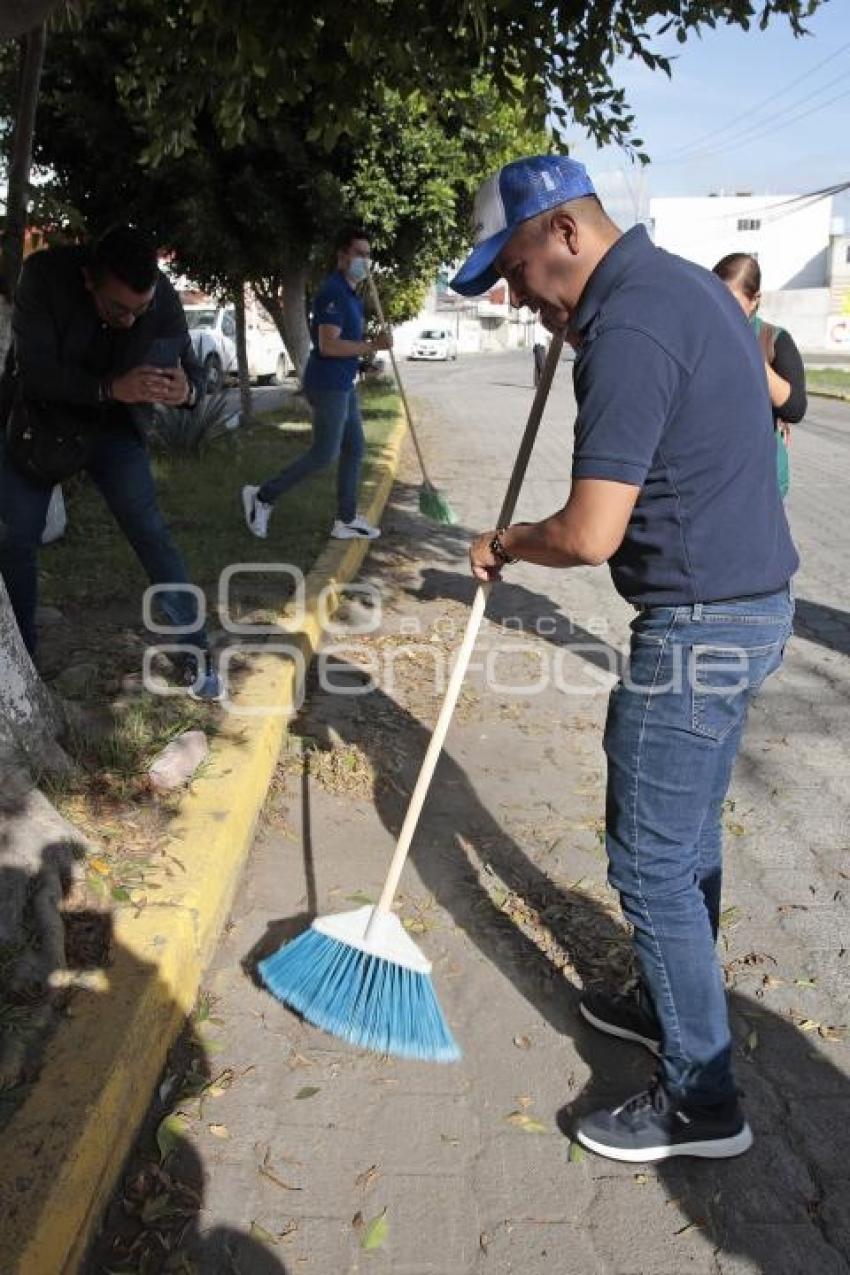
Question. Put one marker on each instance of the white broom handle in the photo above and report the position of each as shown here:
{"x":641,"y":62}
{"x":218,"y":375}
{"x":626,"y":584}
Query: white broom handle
{"x":473,"y":624}
{"x":432,"y":756}
{"x":376,"y":301}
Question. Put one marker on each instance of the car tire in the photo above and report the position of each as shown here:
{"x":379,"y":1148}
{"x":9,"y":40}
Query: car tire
{"x":213,"y":374}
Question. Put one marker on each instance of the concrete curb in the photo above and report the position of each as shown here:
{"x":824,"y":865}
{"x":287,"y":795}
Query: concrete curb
{"x":834,"y":394}
{"x":64,"y":1147}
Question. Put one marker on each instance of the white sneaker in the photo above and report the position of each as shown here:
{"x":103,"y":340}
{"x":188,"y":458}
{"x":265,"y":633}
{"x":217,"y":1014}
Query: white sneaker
{"x":357,"y":529}
{"x":257,"y":513}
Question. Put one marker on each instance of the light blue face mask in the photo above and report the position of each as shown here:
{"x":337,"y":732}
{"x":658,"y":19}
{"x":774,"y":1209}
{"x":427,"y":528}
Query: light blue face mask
{"x":358,"y":270}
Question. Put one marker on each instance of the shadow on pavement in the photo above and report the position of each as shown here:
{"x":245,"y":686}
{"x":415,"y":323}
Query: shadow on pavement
{"x":513,"y":606}
{"x":287,"y":928}
{"x":153,"y":1223}
{"x":825,"y":625}
{"x":796,"y":1099}
{"x":519,"y":609}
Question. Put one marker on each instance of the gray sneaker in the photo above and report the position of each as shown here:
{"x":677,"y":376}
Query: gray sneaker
{"x":655,"y":1126}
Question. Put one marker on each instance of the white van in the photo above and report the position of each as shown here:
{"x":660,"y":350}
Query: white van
{"x":212,"y":329}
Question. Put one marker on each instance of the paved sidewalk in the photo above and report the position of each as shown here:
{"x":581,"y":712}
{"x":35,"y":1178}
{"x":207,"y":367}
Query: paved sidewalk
{"x":303,"y":1142}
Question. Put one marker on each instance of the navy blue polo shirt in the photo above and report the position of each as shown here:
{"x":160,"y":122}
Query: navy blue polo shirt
{"x":336,"y":304}
{"x":672,"y":398}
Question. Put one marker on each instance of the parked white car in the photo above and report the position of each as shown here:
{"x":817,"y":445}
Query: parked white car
{"x":212,"y":330}
{"x":434,"y":343}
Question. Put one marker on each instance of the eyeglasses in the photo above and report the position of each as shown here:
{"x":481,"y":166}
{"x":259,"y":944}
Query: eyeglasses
{"x":117,"y":310}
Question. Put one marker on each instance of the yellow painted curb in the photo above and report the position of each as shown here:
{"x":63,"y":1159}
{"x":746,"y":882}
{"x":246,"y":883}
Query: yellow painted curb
{"x":64,"y":1147}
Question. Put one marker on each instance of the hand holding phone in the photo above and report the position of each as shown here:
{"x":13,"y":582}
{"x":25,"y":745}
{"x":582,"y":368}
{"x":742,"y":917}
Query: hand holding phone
{"x":139,"y":385}
{"x":174,"y":387}
{"x":151,"y":385}
{"x":165,"y":352}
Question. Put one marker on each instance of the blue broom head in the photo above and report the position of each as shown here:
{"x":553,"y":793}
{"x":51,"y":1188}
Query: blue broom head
{"x":375,"y":993}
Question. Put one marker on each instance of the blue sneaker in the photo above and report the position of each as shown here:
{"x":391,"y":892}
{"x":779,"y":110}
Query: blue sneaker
{"x":655,"y":1126}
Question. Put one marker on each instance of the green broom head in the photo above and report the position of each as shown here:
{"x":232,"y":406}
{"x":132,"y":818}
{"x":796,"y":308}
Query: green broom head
{"x":434,"y":504}
{"x":376,"y":993}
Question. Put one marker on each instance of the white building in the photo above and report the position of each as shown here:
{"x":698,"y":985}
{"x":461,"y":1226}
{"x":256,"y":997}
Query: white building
{"x":479,"y":325}
{"x":791,"y":242}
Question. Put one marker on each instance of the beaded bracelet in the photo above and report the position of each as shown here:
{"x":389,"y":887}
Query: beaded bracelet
{"x":499,"y":551}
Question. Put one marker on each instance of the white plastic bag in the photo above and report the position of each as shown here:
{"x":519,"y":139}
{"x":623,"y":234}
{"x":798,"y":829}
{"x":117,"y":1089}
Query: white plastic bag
{"x":56,"y":522}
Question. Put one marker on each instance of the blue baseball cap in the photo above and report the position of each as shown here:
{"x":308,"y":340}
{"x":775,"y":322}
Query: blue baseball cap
{"x":520,"y":190}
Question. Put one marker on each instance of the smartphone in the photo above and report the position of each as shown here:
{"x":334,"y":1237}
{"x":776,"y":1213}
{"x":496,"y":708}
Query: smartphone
{"x":165,"y":351}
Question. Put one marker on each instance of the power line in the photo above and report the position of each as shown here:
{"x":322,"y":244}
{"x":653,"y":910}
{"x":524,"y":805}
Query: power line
{"x":770,"y":213}
{"x":755,"y":109}
{"x":760,"y":127}
{"x":820,"y":106}
{"x":795,"y":201}
{"x":800,"y":204}
{"x":766,"y":131}
{"x":775,"y":121}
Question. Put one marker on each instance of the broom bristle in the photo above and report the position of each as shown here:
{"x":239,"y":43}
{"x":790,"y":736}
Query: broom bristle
{"x":365,"y":999}
{"x":434,"y":504}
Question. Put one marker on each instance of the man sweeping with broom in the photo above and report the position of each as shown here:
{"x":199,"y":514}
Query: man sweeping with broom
{"x":674,"y":486}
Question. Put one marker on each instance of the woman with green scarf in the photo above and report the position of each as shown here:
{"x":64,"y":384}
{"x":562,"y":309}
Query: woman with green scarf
{"x":786,"y":377}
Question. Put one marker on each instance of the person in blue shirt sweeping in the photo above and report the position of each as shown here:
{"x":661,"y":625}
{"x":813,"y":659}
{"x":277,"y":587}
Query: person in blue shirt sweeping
{"x":336,"y":332}
{"x":674,"y":487}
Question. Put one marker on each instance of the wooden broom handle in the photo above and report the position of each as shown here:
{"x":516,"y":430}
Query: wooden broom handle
{"x":376,"y":302}
{"x":473,"y":624}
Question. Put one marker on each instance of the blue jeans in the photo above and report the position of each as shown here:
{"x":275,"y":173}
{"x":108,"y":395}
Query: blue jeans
{"x":674,"y":727}
{"x":337,"y":434}
{"x":120,"y":469}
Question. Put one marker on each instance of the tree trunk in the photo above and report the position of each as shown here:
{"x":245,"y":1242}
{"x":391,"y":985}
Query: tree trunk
{"x":286,"y":302}
{"x":40,"y":852}
{"x":17,"y":197}
{"x":246,"y":406}
{"x":31,"y":719}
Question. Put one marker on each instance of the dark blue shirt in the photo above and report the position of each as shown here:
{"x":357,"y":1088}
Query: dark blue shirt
{"x":338,"y":305}
{"x":672,"y":398}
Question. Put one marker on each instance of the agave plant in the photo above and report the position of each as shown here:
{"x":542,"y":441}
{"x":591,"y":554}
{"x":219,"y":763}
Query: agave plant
{"x":188,"y":431}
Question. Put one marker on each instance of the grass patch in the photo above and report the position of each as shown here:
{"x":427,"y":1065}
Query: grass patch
{"x":137,"y":729}
{"x":200,"y":498}
{"x":93,"y":577}
{"x":833,"y":380}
